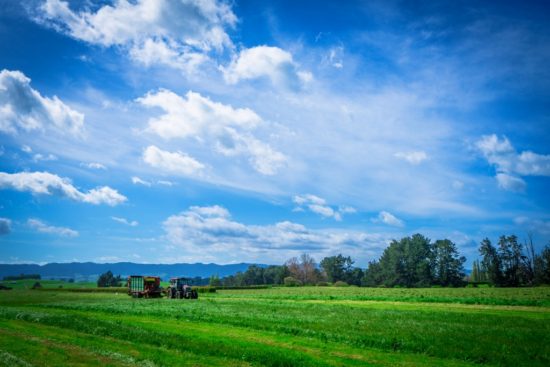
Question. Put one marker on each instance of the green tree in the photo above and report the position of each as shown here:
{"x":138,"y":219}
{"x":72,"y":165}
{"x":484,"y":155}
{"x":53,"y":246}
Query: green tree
{"x":448,"y":265}
{"x":214,"y":280}
{"x":337,"y":267}
{"x":373,"y":275}
{"x":510,"y":259}
{"x":407,"y":262}
{"x":107,"y":279}
{"x":254,"y":275}
{"x":490,"y":263}
{"x":275,"y":274}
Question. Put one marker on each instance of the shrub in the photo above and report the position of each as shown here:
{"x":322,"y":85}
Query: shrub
{"x":322,"y":284}
{"x":292,"y":282}
{"x":205,"y":289}
{"x":36,"y":285}
{"x":341,"y":284}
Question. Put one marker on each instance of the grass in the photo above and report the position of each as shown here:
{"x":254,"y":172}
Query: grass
{"x":309,"y":326}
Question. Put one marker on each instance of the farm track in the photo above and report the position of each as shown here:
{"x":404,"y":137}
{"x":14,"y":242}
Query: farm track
{"x":234,"y":328}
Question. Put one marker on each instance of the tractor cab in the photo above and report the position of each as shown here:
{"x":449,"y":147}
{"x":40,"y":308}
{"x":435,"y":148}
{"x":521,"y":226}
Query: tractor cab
{"x":179,"y":288}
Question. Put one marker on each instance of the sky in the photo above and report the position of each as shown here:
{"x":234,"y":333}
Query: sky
{"x":163,"y":131}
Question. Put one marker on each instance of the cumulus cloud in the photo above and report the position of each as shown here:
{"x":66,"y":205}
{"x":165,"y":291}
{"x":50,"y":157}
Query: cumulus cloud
{"x":174,"y":162}
{"x":415,"y":157}
{"x":173,"y":33}
{"x":23,"y":108}
{"x":42,"y":227}
{"x":510,"y":164}
{"x":132,"y":223}
{"x":5,"y":226}
{"x":389,"y":219}
{"x":272,"y":63}
{"x":45,"y":183}
{"x":203,"y":230}
{"x":319,"y":206}
{"x":228,"y":129}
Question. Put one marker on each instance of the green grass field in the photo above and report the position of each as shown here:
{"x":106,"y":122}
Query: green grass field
{"x":309,"y":326}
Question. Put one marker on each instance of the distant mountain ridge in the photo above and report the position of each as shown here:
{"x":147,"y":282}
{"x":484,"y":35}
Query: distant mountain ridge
{"x":90,"y":270}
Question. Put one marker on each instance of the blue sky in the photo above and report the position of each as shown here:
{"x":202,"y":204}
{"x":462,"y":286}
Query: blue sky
{"x":214,"y":131}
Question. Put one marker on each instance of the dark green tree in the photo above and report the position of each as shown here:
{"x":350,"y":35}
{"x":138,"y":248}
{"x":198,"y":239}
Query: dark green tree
{"x":337,"y":267}
{"x":448,"y":265}
{"x":407,"y":262}
{"x":214,"y":280}
{"x":373,"y":275}
{"x":107,"y":279}
{"x":510,"y":259}
{"x":254,"y":275}
{"x":490,"y":262}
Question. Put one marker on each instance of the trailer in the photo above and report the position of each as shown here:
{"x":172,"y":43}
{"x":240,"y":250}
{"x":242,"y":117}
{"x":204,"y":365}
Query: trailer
{"x":144,"y":286}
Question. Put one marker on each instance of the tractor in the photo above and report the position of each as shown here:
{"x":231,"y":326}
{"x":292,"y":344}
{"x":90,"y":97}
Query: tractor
{"x":180,"y":289}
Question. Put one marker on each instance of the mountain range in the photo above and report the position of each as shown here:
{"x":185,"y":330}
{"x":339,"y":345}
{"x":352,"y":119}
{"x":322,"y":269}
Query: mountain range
{"x":90,"y":271}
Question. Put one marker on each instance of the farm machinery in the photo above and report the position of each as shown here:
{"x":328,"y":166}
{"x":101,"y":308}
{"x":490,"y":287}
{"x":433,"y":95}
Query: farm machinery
{"x":180,"y":289}
{"x":144,"y":286}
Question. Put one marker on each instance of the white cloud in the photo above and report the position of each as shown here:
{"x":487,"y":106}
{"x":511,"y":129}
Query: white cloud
{"x":510,"y":183}
{"x":223,"y":126}
{"x":207,"y":232}
{"x":125,"y":221}
{"x":272,"y":63}
{"x":173,"y":33}
{"x":389,"y":219}
{"x":26,"y":149}
{"x":165,"y":183}
{"x":45,"y":183}
{"x":138,"y":181}
{"x":510,"y":164}
{"x":319,"y":206}
{"x":415,"y":157}
{"x":42,"y":227}
{"x":41,"y":157}
{"x":194,"y":115}
{"x":5,"y":226}
{"x":93,"y":165}
{"x":24,"y":108}
{"x":174,"y":162}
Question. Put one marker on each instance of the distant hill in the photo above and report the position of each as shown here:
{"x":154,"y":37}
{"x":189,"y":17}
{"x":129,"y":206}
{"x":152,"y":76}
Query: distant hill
{"x":90,"y":271}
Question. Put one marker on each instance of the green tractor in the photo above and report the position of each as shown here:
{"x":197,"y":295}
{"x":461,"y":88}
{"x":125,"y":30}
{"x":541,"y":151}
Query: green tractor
{"x":180,"y":289}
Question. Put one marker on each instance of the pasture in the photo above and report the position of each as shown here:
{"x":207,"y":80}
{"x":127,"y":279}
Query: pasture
{"x":305,"y":326}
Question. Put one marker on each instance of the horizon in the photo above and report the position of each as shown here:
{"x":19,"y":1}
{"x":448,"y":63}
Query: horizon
{"x":255,"y":132}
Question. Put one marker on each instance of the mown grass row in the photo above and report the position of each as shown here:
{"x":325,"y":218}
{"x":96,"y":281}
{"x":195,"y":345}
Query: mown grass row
{"x":539,"y":296}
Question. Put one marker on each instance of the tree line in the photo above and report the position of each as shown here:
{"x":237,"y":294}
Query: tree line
{"x":413,"y":261}
{"x":511,"y":263}
{"x":22,"y":277}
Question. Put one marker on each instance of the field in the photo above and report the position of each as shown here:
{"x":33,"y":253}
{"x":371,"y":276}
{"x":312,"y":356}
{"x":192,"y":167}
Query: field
{"x":309,"y":326}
